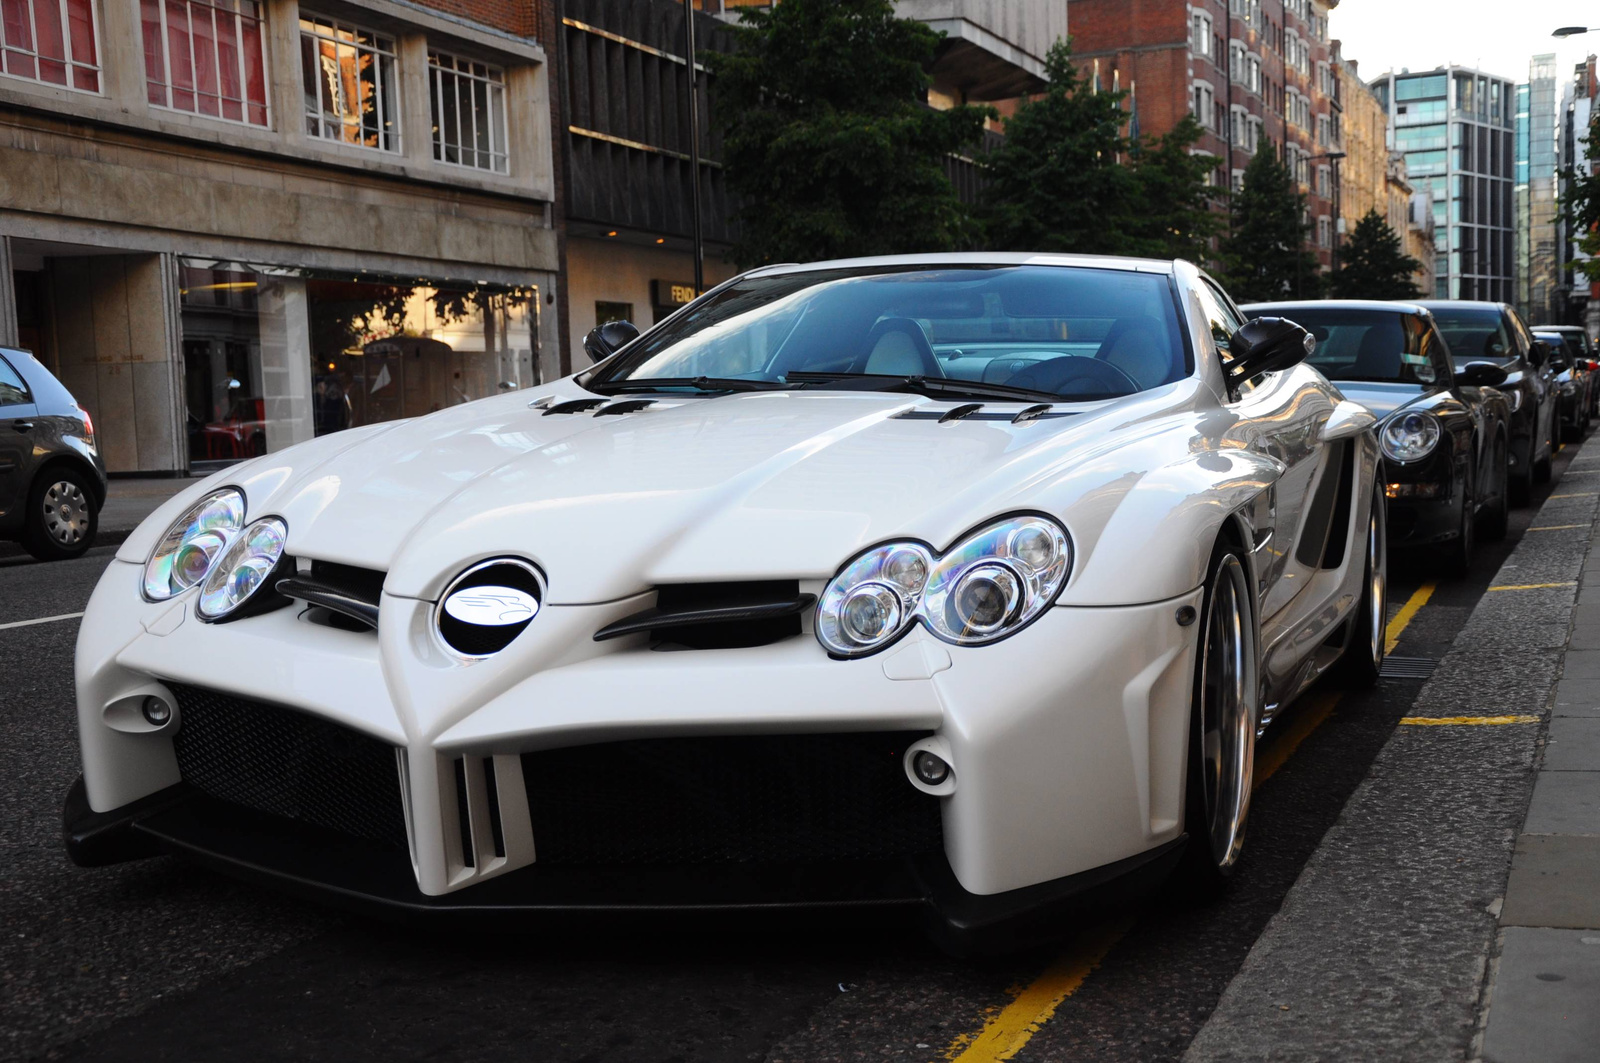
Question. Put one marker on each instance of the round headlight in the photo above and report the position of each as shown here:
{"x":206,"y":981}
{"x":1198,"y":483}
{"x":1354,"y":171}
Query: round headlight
{"x":190,"y":547}
{"x":984,"y":599}
{"x":244,"y":567}
{"x":1408,"y":436}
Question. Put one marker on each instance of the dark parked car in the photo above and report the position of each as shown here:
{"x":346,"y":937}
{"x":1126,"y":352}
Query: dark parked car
{"x":52,"y":481}
{"x":1580,"y":339}
{"x":1443,"y":429}
{"x":1575,"y":383}
{"x":1495,"y":332}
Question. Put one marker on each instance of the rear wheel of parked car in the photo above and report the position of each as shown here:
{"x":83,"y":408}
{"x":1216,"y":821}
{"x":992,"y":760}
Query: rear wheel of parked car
{"x":62,"y":515}
{"x":1363,"y":655}
{"x":1458,"y":552}
{"x":1223,"y":718}
{"x":1495,"y":517}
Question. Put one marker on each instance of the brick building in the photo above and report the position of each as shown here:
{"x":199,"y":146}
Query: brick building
{"x":231,"y":225}
{"x":1257,"y":74}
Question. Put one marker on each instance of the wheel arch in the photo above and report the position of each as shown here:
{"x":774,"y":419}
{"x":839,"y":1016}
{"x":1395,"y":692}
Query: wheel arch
{"x":69,"y":461}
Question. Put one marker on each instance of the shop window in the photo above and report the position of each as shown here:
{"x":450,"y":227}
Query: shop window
{"x":52,"y":41}
{"x":348,"y":77}
{"x":604,"y":312}
{"x":206,"y":58}
{"x":469,"y":112}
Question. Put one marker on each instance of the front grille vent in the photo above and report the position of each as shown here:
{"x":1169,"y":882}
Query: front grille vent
{"x":729,"y":799}
{"x":714,"y":616}
{"x":289,"y":764}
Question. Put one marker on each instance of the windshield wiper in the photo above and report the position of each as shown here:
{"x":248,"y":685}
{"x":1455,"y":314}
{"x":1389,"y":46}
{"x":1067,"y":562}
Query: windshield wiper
{"x":699,"y":383}
{"x":938,"y":386}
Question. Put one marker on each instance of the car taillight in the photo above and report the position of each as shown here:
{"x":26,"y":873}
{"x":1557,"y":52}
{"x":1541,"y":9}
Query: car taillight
{"x":88,"y":426}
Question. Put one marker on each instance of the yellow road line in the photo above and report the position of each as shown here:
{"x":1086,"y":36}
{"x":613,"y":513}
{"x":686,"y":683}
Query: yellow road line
{"x":1464,"y":721}
{"x":1391,"y":633}
{"x":1532,"y":586}
{"x":1584,"y":494}
{"x":1007,"y":1030}
{"x":1558,"y":527}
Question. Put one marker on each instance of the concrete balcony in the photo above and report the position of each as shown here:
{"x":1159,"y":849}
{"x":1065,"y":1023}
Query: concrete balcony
{"x":993,"y":49}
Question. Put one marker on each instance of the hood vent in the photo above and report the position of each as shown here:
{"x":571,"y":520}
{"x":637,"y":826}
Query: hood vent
{"x":707,"y":616}
{"x":974,"y":411}
{"x":574,"y":406}
{"x":625,"y":406}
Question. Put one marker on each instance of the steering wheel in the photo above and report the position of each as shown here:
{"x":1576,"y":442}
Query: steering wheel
{"x":1101,"y":378}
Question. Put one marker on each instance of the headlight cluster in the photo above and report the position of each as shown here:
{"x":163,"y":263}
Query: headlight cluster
{"x":210,"y":547}
{"x":1410,"y":436}
{"x":988,"y":586}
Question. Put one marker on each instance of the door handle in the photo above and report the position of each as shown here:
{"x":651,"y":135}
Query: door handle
{"x":22,"y":426}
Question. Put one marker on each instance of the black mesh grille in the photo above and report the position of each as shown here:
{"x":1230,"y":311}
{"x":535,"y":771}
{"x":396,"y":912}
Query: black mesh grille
{"x":729,"y":799}
{"x":290,"y":764}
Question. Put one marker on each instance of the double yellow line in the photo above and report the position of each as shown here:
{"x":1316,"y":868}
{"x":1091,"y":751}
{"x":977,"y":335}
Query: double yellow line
{"x":1008,"y":1029}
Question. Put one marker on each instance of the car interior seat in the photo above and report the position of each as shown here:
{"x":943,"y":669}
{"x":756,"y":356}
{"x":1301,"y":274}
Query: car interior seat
{"x":1378,"y":356}
{"x":897,"y":346}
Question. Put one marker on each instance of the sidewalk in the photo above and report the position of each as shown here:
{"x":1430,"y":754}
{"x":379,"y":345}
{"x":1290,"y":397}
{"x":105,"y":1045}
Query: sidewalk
{"x":1402,"y":939}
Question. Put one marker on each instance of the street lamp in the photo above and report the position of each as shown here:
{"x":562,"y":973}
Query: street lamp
{"x":1573,"y":31}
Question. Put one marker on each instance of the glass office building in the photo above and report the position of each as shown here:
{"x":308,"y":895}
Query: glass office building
{"x":1456,"y":128}
{"x":1538,"y":268}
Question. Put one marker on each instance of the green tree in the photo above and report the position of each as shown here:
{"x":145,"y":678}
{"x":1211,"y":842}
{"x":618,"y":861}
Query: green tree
{"x":1264,"y":255}
{"x":1583,"y":205}
{"x":1176,"y":216}
{"x":828,"y":144}
{"x":1373,"y":264}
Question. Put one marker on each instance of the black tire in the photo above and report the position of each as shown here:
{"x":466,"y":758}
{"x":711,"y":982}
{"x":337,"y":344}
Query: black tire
{"x":1201,"y":874}
{"x":63,"y":515}
{"x":1457,"y":556}
{"x":1495,"y":519}
{"x":1519,"y":486}
{"x":1362,"y":660}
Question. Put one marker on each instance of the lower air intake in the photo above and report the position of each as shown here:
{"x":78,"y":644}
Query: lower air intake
{"x":729,"y":799}
{"x":289,"y":764}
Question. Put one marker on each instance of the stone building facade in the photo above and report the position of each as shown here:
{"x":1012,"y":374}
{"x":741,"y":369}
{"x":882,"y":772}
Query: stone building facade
{"x":229,"y":226}
{"x":1374,"y":177}
{"x":1256,"y":74}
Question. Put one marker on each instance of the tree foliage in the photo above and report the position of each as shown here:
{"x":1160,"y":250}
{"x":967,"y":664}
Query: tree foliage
{"x":1264,"y":256}
{"x":1374,"y":265}
{"x":1583,"y":205}
{"x":827,"y":143}
{"x":1068,"y":177}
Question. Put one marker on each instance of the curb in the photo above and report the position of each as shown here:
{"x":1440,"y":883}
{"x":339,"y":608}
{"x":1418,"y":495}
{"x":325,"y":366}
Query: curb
{"x":1382,"y":948}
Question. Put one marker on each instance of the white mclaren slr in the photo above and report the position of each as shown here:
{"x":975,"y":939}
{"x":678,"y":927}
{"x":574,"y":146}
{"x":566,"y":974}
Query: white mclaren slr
{"x":962,"y":584}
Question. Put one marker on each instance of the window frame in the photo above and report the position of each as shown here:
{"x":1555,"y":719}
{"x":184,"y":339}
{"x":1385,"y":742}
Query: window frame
{"x":393,"y":110}
{"x":68,"y":62}
{"x":169,"y":89}
{"x":27,"y":391}
{"x":462,"y":68}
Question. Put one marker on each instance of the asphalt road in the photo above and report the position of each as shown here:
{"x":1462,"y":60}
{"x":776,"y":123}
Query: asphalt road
{"x":159,"y":960}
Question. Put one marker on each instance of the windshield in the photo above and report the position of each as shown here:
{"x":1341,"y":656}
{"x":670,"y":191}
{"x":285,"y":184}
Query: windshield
{"x":1046,"y":331}
{"x":1376,"y":345}
{"x":1474,"y":333}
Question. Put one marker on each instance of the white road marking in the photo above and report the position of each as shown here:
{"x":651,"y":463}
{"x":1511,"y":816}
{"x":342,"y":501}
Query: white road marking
{"x":41,"y":620}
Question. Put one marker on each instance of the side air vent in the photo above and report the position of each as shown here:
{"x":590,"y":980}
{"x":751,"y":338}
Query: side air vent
{"x":348,"y":594}
{"x":709,"y":616}
{"x":492,"y":832}
{"x":487,"y":606}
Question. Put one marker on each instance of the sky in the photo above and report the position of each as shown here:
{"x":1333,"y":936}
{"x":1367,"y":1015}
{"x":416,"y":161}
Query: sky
{"x":1498,"y":36}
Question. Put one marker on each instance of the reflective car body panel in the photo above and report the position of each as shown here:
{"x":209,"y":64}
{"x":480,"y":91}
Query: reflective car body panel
{"x":42,"y":425}
{"x":1067,"y":738}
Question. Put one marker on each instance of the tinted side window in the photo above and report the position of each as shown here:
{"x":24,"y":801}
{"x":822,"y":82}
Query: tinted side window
{"x":1219,"y":319}
{"x":13,"y":392}
{"x":1438,"y":352}
{"x":1519,"y":332}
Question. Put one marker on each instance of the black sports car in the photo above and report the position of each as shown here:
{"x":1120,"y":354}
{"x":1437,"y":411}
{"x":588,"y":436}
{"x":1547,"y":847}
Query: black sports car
{"x":1443,"y":428}
{"x":1495,"y":332}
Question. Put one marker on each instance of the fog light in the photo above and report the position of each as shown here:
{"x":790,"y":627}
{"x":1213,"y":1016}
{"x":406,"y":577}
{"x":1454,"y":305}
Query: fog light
{"x":157,"y":713}
{"x":1412,"y":490}
{"x":930,"y":768}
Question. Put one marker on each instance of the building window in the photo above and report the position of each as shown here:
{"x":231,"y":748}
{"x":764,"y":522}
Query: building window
{"x":1236,"y":54}
{"x":1252,"y":133}
{"x":604,"y":311}
{"x":52,"y":41}
{"x":1324,"y":131}
{"x":1203,"y":104}
{"x":1238,"y":180}
{"x":1324,"y":231}
{"x":1252,"y":73}
{"x":348,"y":77}
{"x":469,"y":112}
{"x":1200,"y":35}
{"x":206,"y":58}
{"x":1324,"y":182}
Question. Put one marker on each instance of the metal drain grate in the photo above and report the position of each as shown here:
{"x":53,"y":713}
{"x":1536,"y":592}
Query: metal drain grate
{"x":1407,"y":667}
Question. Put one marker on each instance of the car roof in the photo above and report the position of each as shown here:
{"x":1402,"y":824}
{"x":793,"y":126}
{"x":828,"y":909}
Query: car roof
{"x":1393,"y":305}
{"x":976,"y":258}
{"x":1471,"y":304}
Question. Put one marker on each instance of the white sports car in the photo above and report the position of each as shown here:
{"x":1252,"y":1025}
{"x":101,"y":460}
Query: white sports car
{"x":957,"y":582}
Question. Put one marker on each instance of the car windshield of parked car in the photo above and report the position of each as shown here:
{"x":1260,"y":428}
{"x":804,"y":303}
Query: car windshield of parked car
{"x":1475,"y":334}
{"x":1053,"y":331}
{"x":1375,"y":345}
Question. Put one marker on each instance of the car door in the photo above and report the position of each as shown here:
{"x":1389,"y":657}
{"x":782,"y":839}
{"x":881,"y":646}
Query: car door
{"x":1541,"y":378}
{"x":17,"y":421}
{"x":1281,"y":415}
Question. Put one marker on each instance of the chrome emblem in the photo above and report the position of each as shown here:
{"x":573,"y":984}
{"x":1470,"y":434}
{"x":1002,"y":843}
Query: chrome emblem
{"x":491,"y":606}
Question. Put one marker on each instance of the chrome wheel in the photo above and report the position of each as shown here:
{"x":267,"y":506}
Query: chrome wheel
{"x":66,"y":513}
{"x":1227,"y":712}
{"x":1377,"y":583}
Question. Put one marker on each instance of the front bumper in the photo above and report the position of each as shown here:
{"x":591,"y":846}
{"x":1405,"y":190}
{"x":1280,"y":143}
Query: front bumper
{"x":1422,"y":521}
{"x":1068,"y":743}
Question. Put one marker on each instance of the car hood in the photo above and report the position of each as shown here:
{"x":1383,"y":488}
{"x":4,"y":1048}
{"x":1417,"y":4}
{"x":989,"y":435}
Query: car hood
{"x":1382,"y":399}
{"x":762,"y":485}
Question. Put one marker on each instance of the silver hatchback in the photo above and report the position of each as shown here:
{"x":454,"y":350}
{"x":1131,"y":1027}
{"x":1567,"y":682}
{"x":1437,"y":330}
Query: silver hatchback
{"x":52,"y":480}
